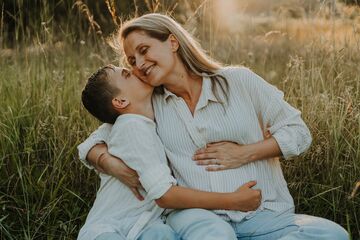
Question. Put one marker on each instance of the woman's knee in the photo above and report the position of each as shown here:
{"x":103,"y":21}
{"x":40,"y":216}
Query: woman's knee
{"x":159,"y":232}
{"x":194,"y":223}
{"x":325,"y":229}
{"x":110,"y":236}
{"x":189,"y":216}
{"x":336,"y":231}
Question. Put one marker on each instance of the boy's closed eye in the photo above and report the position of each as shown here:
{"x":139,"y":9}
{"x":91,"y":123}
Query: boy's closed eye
{"x":125,"y":73}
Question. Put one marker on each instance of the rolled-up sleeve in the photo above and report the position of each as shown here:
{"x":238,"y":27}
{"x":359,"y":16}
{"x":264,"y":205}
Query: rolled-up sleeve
{"x":288,"y":129}
{"x":286,"y":125}
{"x":137,"y":144}
{"x":98,"y":136}
{"x":157,"y":180}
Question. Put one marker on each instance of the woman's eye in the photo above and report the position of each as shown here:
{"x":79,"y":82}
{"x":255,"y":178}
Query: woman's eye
{"x":143,"y":50}
{"x":132,"y":61}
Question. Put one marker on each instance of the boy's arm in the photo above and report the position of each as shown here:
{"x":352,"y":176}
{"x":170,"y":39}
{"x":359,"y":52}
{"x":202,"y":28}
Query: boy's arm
{"x":243,"y":199}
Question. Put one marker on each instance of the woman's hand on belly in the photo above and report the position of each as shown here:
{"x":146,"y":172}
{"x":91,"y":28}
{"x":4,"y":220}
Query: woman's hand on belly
{"x":222,"y":155}
{"x":227,"y":155}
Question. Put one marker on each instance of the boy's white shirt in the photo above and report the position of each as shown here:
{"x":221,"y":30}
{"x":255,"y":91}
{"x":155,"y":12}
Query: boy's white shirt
{"x":132,"y":138}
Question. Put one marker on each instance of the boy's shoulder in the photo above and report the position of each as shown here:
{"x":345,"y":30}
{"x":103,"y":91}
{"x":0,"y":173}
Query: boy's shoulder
{"x":133,"y":122}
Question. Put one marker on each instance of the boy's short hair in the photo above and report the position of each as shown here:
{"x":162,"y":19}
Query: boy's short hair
{"x":98,"y":94}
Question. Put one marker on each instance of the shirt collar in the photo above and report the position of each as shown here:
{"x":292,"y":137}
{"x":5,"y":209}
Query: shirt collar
{"x":168,"y":94}
{"x":206,"y":92}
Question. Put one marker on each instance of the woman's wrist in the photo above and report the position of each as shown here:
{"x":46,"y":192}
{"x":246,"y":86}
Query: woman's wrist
{"x":247,"y":153}
{"x":265,"y":149}
{"x":95,"y":155}
{"x":102,"y":161}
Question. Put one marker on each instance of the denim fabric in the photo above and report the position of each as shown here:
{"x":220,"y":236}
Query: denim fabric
{"x":155,"y":231}
{"x":198,"y":224}
{"x":269,"y":225}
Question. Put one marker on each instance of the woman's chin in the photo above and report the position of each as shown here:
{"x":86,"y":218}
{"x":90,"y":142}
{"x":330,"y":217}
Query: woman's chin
{"x":153,"y":82}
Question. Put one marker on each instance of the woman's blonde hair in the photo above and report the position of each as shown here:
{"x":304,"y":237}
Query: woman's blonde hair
{"x":192,"y":55}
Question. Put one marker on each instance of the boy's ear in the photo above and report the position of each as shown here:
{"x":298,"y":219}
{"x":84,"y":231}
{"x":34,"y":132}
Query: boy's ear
{"x":120,"y":103}
{"x":174,"y":43}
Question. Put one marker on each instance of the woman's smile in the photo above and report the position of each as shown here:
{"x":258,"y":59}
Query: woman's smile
{"x":148,"y":69}
{"x":152,"y":58}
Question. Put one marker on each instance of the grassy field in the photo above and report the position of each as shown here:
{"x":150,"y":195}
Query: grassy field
{"x":313,"y":56}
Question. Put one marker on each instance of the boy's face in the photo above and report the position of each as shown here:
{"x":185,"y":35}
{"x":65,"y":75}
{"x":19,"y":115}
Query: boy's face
{"x":131,"y":88}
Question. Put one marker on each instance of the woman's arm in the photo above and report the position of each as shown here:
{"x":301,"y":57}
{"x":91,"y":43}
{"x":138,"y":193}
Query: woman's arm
{"x":100,"y":158}
{"x":226,"y":155}
{"x":243,"y":199}
{"x":99,"y":136}
{"x":289,"y":135}
{"x":93,"y":153}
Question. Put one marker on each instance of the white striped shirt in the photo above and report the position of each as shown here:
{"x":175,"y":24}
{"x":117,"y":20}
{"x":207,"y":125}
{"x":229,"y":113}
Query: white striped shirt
{"x":132,"y":138}
{"x":251,"y":101}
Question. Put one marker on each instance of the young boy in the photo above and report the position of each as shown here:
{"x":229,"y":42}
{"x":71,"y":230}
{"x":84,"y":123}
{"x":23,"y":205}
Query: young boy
{"x":114,"y":95}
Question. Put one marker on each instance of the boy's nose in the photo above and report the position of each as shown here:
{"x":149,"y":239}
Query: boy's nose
{"x":138,"y":73}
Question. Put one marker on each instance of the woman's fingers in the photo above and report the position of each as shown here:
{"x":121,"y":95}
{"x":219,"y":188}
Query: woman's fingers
{"x":214,"y":144}
{"x":215,"y":168}
{"x":204,"y":156}
{"x":205,"y":150}
{"x":137,"y":193}
{"x":209,"y":162}
{"x":134,"y":183}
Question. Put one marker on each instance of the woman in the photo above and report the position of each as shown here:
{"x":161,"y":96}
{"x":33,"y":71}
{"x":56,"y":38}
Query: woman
{"x":210,"y":120}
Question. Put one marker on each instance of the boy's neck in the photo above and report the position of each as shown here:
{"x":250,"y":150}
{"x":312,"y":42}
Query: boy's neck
{"x":144,"y":109}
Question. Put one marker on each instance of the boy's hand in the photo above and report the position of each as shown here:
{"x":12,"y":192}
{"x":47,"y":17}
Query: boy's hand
{"x":118,"y":169}
{"x":247,"y":199}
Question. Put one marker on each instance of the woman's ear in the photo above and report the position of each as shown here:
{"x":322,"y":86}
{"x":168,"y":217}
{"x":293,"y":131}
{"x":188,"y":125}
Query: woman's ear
{"x":174,"y":43}
{"x":119,"y":103}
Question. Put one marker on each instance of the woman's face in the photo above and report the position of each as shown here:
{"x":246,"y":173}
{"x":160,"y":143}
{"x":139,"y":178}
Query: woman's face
{"x":150,"y":58}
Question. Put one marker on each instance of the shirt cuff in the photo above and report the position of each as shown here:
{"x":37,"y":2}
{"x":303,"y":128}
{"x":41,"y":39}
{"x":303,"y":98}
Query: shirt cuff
{"x":84,"y":149}
{"x":157,"y":181}
{"x":287,"y":142}
{"x":97,"y":137}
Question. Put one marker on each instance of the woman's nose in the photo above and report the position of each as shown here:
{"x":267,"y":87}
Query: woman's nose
{"x":140,"y":63}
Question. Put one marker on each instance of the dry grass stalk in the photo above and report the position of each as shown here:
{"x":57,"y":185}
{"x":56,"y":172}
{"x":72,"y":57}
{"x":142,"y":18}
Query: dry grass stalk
{"x":83,"y":8}
{"x":354,"y":191}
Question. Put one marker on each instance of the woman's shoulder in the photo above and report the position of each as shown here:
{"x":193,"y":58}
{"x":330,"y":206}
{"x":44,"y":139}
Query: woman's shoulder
{"x":236,"y":73}
{"x":233,"y":70}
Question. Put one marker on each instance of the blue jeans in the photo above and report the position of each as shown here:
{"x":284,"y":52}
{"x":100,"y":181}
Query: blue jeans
{"x":198,"y":224}
{"x":268,"y":225}
{"x":155,"y":231}
{"x":190,"y":224}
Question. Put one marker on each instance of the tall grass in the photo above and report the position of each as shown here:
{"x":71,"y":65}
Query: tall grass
{"x":46,"y":193}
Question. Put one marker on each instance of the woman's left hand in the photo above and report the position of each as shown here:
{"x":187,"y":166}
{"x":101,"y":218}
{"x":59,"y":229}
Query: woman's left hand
{"x":222,"y":155}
